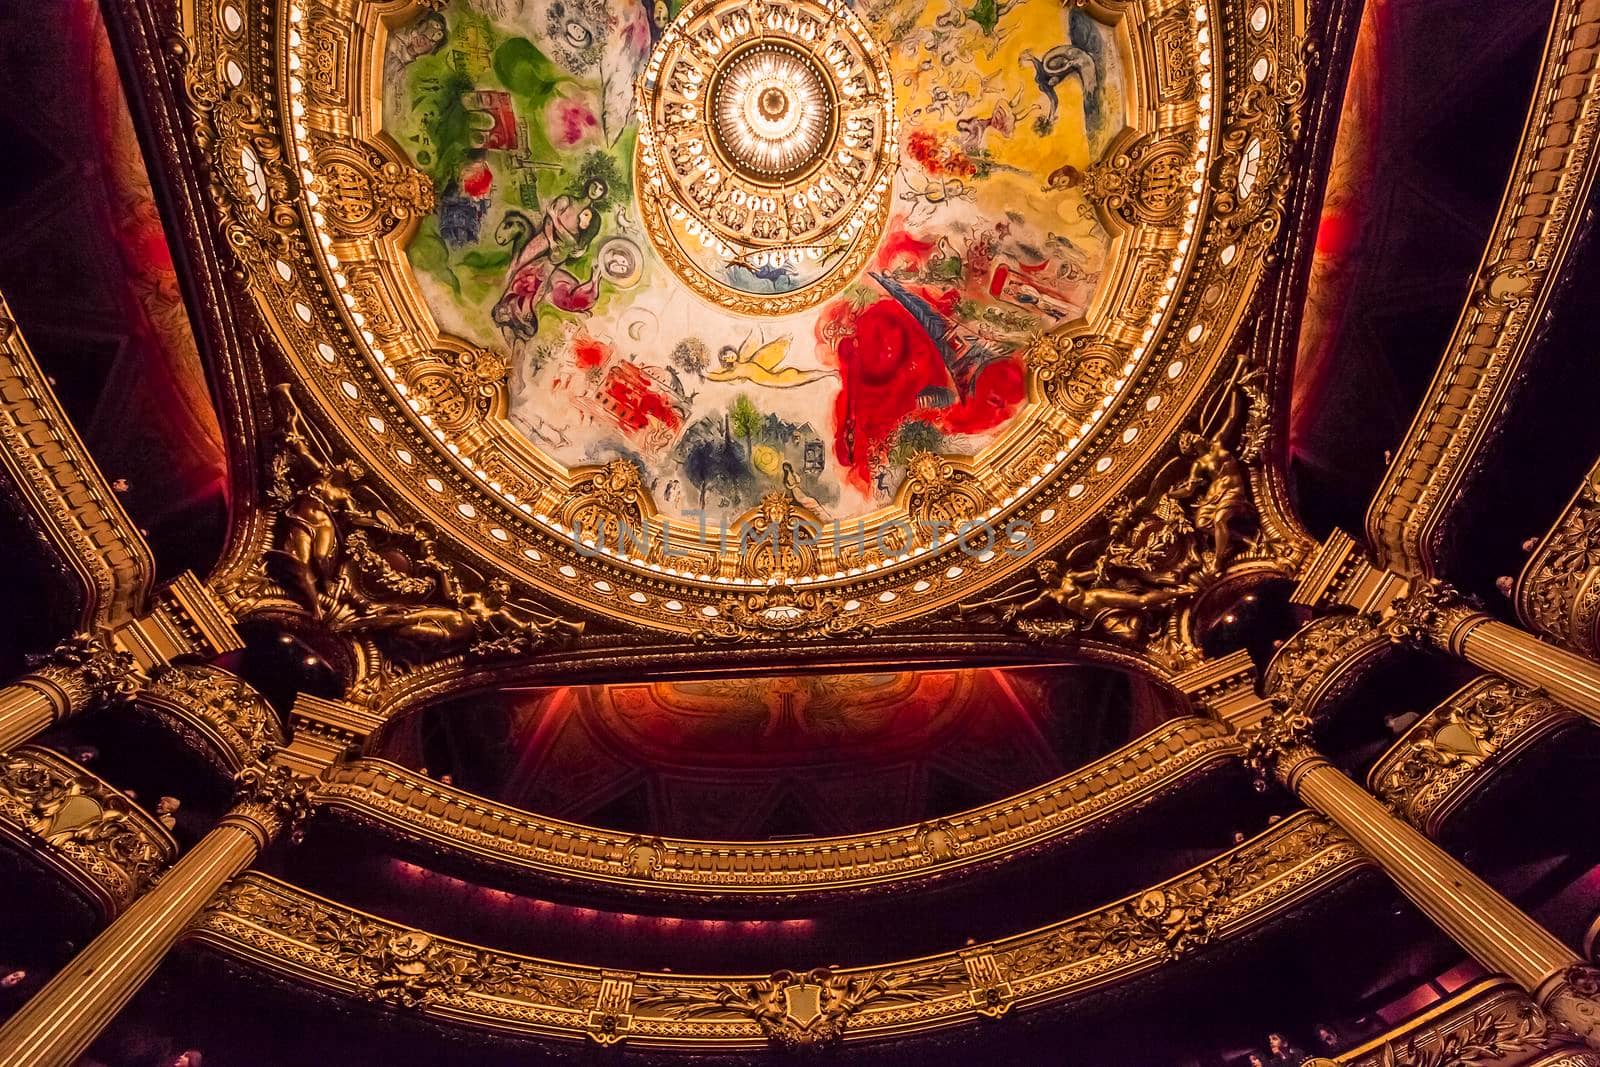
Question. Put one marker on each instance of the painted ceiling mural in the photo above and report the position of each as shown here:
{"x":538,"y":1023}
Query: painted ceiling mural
{"x":550,"y":269}
{"x":523,"y":113}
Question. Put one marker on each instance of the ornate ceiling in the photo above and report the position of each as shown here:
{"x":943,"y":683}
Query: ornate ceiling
{"x":694,"y":467}
{"x":521,"y":400}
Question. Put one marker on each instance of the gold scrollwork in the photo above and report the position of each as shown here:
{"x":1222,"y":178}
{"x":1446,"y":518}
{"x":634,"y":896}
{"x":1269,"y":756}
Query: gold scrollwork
{"x":365,"y":192}
{"x":97,"y":835}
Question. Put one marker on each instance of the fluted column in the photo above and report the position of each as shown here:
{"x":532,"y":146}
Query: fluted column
{"x":1487,"y":925}
{"x":80,"y":673}
{"x":1434,"y":614}
{"x":62,"y":1019}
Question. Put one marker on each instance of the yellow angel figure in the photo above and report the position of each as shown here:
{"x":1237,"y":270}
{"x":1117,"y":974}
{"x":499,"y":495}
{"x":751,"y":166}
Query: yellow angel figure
{"x":762,"y":364}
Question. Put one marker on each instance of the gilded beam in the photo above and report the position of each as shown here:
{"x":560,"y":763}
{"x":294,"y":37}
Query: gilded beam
{"x":324,"y":944}
{"x":62,"y":493}
{"x":416,"y":807}
{"x":1523,"y":265}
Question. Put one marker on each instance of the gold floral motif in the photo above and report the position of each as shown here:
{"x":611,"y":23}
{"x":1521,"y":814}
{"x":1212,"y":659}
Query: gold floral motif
{"x":253,"y":187}
{"x":1279,"y":741}
{"x":1448,"y":750}
{"x":1557,"y":594}
{"x":778,"y":539}
{"x":1485,"y":1028}
{"x":363,"y":575}
{"x":938,"y":491}
{"x":1317,"y":652}
{"x":364,"y":192}
{"x":1132,"y":582}
{"x":783,"y":613}
{"x":1426,"y":616}
{"x":607,"y":505}
{"x":1073,"y":372}
{"x":286,"y":929}
{"x":89,"y":670}
{"x":1143,"y":183}
{"x":235,"y":721}
{"x":96,"y":835}
{"x":456,"y":387}
{"x":795,"y":1010}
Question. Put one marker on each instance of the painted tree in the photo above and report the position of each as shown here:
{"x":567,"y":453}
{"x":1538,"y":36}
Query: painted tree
{"x":746,"y":419}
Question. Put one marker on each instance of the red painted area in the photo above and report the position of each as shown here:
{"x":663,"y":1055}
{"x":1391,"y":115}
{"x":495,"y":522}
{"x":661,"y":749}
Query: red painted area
{"x":900,"y":249}
{"x":632,"y":399}
{"x":886,"y":359}
{"x":588,"y":353}
{"x":939,"y":156}
{"x":477,"y":179}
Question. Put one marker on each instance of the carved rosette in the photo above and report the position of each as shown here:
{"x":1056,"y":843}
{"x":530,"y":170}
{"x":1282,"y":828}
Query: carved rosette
{"x":1428,"y":616}
{"x":88,"y":671}
{"x":91,"y":833}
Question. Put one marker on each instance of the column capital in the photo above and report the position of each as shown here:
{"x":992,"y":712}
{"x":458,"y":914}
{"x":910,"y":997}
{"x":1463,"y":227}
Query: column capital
{"x":1279,"y":745}
{"x":1432,"y":613}
{"x":268,"y":800}
{"x":83,"y":671}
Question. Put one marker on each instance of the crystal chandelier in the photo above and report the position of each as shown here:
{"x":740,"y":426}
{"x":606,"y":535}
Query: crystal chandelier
{"x":766,"y":150}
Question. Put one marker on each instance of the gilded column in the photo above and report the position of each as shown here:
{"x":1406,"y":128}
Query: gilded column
{"x":58,"y":1024}
{"x":1435,"y":614}
{"x":1465,"y":907}
{"x":82,"y":672}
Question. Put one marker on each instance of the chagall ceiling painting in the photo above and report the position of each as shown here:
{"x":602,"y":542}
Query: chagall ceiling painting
{"x":723,"y":374}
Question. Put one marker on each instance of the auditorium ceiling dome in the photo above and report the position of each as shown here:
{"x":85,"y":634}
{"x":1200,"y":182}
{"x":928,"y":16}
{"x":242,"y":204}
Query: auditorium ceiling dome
{"x":695,"y":530}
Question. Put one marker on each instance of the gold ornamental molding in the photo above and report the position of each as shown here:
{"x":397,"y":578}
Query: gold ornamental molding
{"x":1324,"y":659}
{"x":397,"y":460}
{"x":1451,"y":752}
{"x":1540,"y":215}
{"x":62,"y":493}
{"x":320,"y":943}
{"x":418,"y":808}
{"x":220,"y":717}
{"x":1557,"y":593}
{"x":1490,"y":1023}
{"x":67,"y":818}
